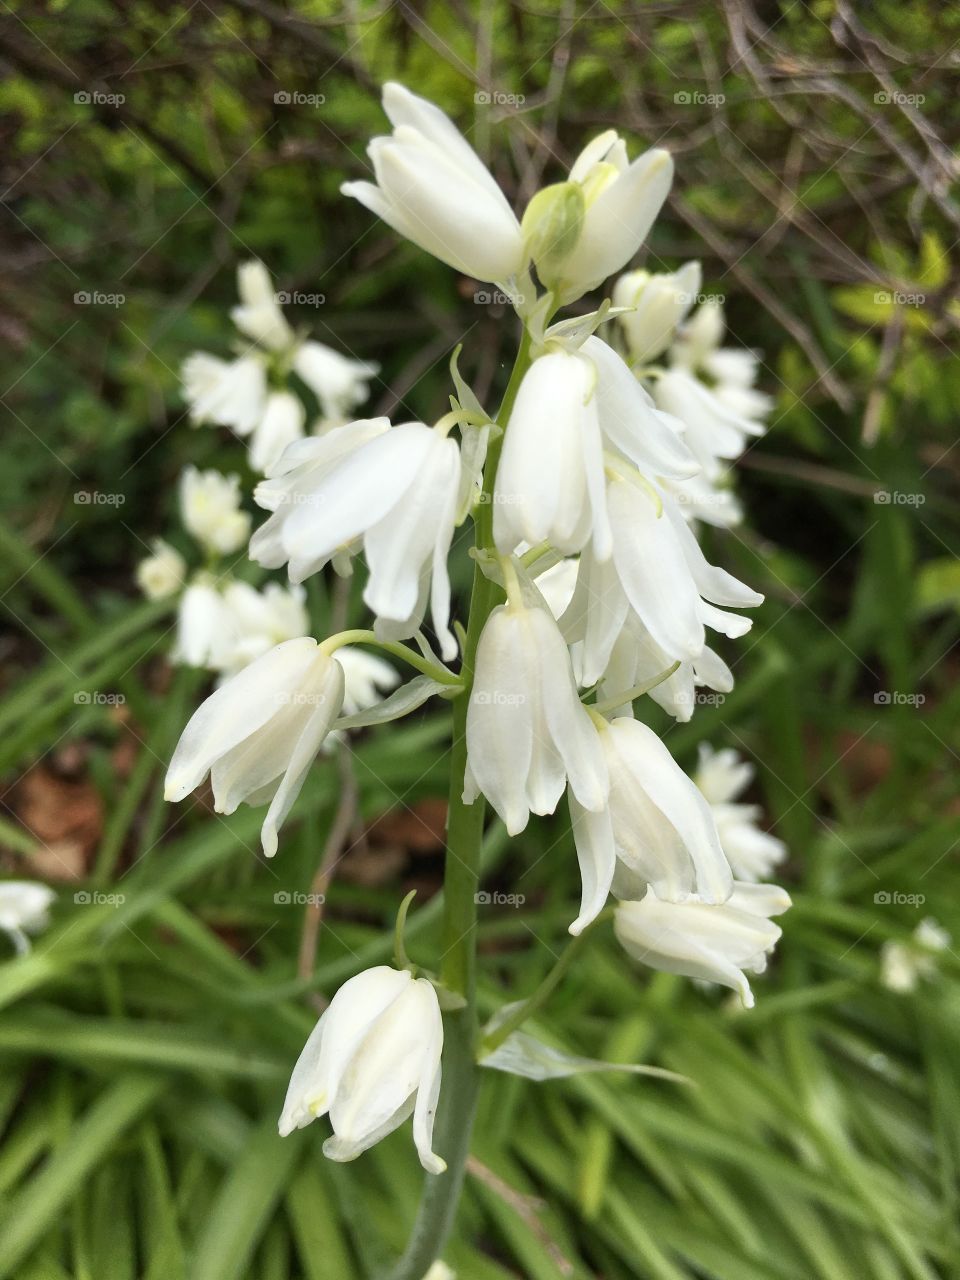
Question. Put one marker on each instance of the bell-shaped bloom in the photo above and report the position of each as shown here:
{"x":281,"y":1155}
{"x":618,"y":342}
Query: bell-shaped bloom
{"x":210,"y":510}
{"x":259,"y":315}
{"x":527,"y":732}
{"x":161,"y":573}
{"x":719,"y":943}
{"x":203,"y":626}
{"x":258,"y":734}
{"x":433,"y":188}
{"x":660,"y":301}
{"x":656,"y":823}
{"x":752,"y":852}
{"x":664,"y":575}
{"x":550,"y":480}
{"x":255,"y":621}
{"x":636,"y":659}
{"x":226,"y":393}
{"x":572,"y":407}
{"x":392,"y":489}
{"x":714,"y":433}
{"x":338,"y":382}
{"x":281,"y":424}
{"x":24,"y":910}
{"x":621,"y":203}
{"x":904,"y":964}
{"x":372,"y":1060}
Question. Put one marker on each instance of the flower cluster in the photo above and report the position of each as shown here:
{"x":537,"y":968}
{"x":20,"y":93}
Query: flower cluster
{"x":586,"y":492}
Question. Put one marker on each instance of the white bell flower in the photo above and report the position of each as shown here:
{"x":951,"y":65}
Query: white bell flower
{"x":393,"y":489}
{"x":715,"y":943}
{"x":752,"y":852}
{"x":660,"y":302}
{"x":433,"y":188}
{"x":162,"y":573}
{"x":903,"y":964}
{"x":372,"y":1060}
{"x":258,"y":734}
{"x":281,"y":424}
{"x":338,"y":382}
{"x":259,"y":315}
{"x":621,"y":203}
{"x":572,"y":407}
{"x":203,"y":625}
{"x":255,"y":621}
{"x":656,"y":823}
{"x":637,"y":659}
{"x":210,"y":510}
{"x":226,"y":393}
{"x":24,"y":909}
{"x":527,"y":732}
{"x":714,"y":433}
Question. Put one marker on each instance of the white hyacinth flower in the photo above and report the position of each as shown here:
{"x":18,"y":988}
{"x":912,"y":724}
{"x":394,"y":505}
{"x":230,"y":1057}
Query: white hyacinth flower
{"x":281,"y":424}
{"x":392,"y":489}
{"x":162,"y":573}
{"x":715,"y":943}
{"x":656,"y":823}
{"x":572,"y":407}
{"x":433,"y":188}
{"x":203,"y":625}
{"x":732,"y":370}
{"x":636,"y":659}
{"x":440,"y":1271}
{"x":527,"y":732}
{"x":210,"y":510}
{"x":255,"y":621}
{"x":752,"y":852}
{"x":660,"y":302}
{"x":24,"y":909}
{"x":258,"y":734}
{"x":904,"y":964}
{"x":338,"y":382}
{"x":372,"y":1060}
{"x":259,"y":315}
{"x":225,"y":393}
{"x":621,"y":203}
{"x":366,"y":678}
{"x":715,"y":433}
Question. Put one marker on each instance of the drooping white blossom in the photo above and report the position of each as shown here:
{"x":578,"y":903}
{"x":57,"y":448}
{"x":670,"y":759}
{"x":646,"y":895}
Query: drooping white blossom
{"x":161,"y":573}
{"x":258,"y":734}
{"x":372,"y":1060}
{"x":211,"y":512}
{"x":659,"y":301}
{"x":24,"y":910}
{"x":433,"y":188}
{"x":393,"y":490}
{"x":203,"y":625}
{"x":259,"y":315}
{"x":636,"y":659}
{"x":281,"y":424}
{"x":719,"y":943}
{"x":752,"y":852}
{"x":256,"y":620}
{"x":527,"y":733}
{"x":339,"y":382}
{"x":225,"y":393}
{"x":904,"y":964}
{"x":655,"y":822}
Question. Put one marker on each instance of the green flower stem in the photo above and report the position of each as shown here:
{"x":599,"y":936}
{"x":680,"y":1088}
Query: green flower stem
{"x":402,"y":651}
{"x":458,"y":1093}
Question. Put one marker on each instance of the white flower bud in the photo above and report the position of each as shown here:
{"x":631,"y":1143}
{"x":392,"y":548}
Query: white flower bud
{"x":432,"y":187}
{"x":24,"y":909}
{"x":372,"y":1060}
{"x":203,"y":626}
{"x":227,"y":393}
{"x":162,"y":573}
{"x":210,"y":510}
{"x":338,"y":382}
{"x":281,"y":424}
{"x":660,"y":302}
{"x":258,"y":734}
{"x":716,"y":943}
{"x":259,"y":316}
